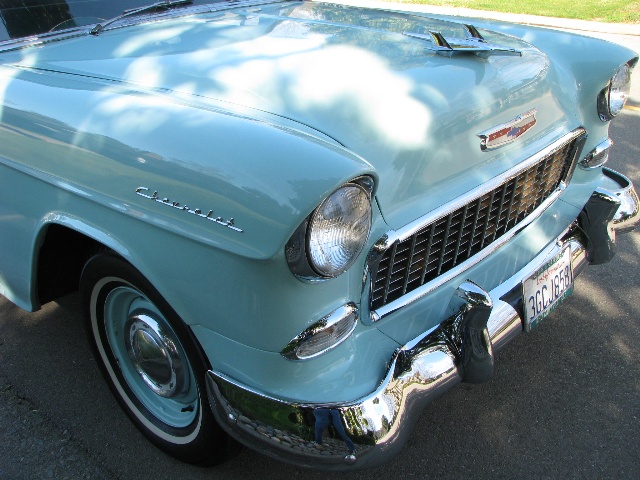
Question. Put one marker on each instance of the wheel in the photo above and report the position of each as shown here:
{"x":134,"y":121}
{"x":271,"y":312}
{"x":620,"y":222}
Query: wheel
{"x":151,"y":362}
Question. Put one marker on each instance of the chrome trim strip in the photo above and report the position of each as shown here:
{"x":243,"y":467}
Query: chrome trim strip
{"x":406,"y":232}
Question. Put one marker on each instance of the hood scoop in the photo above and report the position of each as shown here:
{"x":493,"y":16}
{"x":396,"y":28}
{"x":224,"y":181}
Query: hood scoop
{"x":474,"y":43}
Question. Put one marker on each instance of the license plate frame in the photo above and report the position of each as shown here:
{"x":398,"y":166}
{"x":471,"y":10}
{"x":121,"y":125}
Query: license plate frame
{"x":546,"y":288}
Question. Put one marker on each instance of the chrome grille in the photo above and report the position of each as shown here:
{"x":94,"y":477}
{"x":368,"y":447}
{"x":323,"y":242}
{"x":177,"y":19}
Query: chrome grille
{"x":441,"y":245}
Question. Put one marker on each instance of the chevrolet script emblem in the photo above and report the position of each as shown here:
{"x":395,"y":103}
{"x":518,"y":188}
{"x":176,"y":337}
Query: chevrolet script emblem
{"x":507,"y":132}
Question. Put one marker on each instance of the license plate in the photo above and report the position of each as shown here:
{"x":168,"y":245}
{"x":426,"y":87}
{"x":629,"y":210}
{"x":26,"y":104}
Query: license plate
{"x":546,"y":288}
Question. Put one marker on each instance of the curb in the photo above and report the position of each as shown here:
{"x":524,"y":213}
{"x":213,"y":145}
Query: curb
{"x":563,"y":23}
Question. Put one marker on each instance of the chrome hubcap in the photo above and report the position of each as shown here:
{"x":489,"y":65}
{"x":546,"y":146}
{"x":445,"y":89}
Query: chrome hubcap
{"x":154,"y":355}
{"x":150,"y":357}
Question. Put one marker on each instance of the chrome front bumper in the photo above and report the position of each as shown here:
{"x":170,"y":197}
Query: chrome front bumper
{"x":369,"y":431}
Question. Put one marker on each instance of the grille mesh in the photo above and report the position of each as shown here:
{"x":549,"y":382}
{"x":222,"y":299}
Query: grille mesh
{"x":454,"y":238}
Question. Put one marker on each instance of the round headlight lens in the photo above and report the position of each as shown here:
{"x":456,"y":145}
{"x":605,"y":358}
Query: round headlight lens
{"x":338,"y":230}
{"x":619,"y":89}
{"x":613,"y":98}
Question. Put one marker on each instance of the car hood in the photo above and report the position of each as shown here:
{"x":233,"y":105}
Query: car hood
{"x":369,"y":80}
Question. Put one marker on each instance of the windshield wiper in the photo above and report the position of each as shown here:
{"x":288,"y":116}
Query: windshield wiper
{"x":164,"y":5}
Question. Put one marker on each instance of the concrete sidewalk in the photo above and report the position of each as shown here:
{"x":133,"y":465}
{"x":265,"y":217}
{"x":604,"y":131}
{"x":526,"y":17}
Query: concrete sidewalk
{"x":564,"y":23}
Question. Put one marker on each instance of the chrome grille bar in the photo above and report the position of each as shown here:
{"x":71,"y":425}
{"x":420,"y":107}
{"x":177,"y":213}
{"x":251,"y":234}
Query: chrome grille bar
{"x":408,"y":264}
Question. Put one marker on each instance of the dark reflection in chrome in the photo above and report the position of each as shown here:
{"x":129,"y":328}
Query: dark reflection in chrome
{"x":314,"y":435}
{"x":330,"y":417}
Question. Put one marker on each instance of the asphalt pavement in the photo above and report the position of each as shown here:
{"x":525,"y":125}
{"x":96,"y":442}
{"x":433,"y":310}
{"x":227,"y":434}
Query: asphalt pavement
{"x":564,"y":403}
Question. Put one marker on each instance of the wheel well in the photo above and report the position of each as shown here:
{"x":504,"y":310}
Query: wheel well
{"x":62,"y":256}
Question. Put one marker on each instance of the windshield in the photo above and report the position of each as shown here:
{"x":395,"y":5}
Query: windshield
{"x":22,"y":18}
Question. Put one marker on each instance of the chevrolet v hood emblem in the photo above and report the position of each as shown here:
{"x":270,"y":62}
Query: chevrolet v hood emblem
{"x":507,"y":132}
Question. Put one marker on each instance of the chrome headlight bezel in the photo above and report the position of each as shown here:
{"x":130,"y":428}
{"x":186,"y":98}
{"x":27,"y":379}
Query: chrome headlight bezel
{"x":613,"y":97}
{"x":305,"y":252}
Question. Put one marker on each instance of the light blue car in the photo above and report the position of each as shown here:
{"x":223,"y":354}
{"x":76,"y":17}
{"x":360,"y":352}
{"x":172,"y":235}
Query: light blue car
{"x":294,"y":224}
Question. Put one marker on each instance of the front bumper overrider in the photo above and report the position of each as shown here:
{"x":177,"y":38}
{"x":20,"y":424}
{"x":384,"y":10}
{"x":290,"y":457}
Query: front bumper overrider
{"x":370,"y":430}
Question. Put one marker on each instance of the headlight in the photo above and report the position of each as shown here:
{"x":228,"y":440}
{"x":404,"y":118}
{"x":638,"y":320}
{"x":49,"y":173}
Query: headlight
{"x":334,"y":235}
{"x":339,"y":229}
{"x":613,"y":98}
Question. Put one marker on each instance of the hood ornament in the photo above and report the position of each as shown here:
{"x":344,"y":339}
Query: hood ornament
{"x":507,"y":132}
{"x":473,"y":43}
